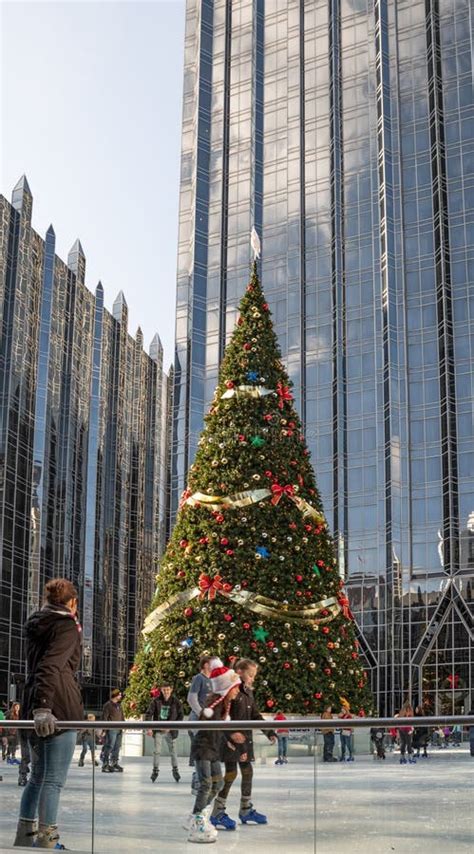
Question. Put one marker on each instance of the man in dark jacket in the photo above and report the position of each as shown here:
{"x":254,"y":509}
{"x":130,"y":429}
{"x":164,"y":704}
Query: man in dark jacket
{"x":112,"y":711}
{"x":243,"y":708}
{"x":164,"y":706}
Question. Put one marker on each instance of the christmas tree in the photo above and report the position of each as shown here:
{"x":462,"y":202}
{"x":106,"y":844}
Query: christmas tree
{"x":250,"y":569}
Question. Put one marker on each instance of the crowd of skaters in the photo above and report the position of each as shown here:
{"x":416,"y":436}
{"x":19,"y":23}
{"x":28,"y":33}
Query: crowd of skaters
{"x":217,"y":692}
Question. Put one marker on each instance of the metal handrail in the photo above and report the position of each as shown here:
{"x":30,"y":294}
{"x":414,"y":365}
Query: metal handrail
{"x":289,"y":723}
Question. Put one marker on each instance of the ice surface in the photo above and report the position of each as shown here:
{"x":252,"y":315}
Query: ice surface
{"x":366,"y":806}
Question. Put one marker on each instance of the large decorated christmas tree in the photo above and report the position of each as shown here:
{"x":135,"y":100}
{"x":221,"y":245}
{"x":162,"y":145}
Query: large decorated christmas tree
{"x":250,"y":569}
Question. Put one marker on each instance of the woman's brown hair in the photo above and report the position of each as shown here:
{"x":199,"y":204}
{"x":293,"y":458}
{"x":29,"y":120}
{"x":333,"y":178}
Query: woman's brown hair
{"x":58,"y":591}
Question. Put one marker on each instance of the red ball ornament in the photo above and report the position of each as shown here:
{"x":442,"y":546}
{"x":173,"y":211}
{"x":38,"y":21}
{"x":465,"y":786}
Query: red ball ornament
{"x":361,"y":713}
{"x":287,"y":665}
{"x":249,"y":288}
{"x":270,"y":703}
{"x":224,"y":541}
{"x":229,"y":384}
{"x":246,"y":626}
{"x":330,"y":645}
{"x":240,"y":321}
{"x":361,"y":683}
{"x":253,"y":645}
{"x":307,"y":527}
{"x":299,"y":578}
{"x":183,"y":543}
{"x":180,"y":574}
{"x":268,"y":473}
{"x":325,"y":630}
{"x":133,"y":705}
{"x":265,"y":306}
{"x":270,"y":644}
{"x":247,"y":346}
{"x":188,"y":612}
{"x":228,"y":618}
{"x":318,"y":695}
{"x":219,"y":518}
{"x":154,"y":692}
{"x":203,"y":540}
{"x":320,"y":563}
{"x":299,"y":593}
{"x":327,"y":671}
{"x":305,"y":702}
{"x":229,"y":552}
{"x":354,"y":655}
{"x":244,"y":583}
{"x":292,"y":526}
{"x":308,"y":594}
{"x":241,"y":437}
{"x":268,"y":417}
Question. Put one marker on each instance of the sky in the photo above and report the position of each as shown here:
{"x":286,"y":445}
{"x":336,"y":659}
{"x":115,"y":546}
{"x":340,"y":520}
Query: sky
{"x":90,"y":111}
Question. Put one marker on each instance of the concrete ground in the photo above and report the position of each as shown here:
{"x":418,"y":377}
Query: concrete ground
{"x":365,"y":807}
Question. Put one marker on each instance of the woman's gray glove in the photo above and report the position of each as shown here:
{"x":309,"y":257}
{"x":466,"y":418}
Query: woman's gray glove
{"x":45,"y":722}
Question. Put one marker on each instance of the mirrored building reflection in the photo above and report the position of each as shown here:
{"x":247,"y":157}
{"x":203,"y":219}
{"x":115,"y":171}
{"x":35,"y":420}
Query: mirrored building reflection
{"x":84,"y":442}
{"x":344,"y":131}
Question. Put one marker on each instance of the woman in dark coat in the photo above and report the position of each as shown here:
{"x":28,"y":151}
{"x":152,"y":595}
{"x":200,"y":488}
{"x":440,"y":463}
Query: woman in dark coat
{"x":53,"y":651}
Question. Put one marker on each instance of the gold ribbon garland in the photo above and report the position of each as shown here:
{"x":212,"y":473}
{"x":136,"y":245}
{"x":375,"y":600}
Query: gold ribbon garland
{"x":247,"y":391}
{"x":251,"y":496}
{"x":262,"y":605}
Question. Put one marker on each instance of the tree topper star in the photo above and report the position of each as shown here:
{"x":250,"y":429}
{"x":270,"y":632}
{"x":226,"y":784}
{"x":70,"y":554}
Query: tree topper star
{"x":257,"y":442}
{"x":262,"y":551}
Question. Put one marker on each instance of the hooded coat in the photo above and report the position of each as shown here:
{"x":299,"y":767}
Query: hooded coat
{"x":53,"y":653}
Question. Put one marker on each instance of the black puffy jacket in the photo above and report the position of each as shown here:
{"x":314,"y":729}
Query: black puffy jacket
{"x":53,"y":654}
{"x":174,"y":713}
{"x":244,"y":708}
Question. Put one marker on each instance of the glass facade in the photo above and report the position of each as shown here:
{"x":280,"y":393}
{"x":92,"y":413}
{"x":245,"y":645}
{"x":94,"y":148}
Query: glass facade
{"x":84,"y":451}
{"x":344,"y":130}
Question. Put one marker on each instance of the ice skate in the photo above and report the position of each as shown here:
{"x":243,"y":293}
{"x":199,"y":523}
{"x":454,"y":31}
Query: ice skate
{"x":200,"y":831}
{"x":48,"y":837}
{"x":251,"y":816}
{"x":26,"y":832}
{"x":222,"y":821}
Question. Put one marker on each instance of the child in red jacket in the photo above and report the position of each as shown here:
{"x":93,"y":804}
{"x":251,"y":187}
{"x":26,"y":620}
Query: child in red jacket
{"x":282,"y":736}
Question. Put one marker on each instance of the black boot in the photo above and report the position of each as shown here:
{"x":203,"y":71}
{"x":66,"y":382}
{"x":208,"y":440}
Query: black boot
{"x":81,"y":763}
{"x":176,"y":774}
{"x":107,"y":769}
{"x":154,"y":774}
{"x":117,"y":767}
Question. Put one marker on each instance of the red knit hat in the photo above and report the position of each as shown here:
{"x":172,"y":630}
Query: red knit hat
{"x":223,"y":679}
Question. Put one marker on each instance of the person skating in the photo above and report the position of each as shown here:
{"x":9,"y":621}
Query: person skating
{"x":328,"y":736}
{"x":207,"y":749}
{"x":112,"y":711}
{"x":200,"y":688}
{"x":164,"y":707}
{"x":406,"y":735}
{"x":346,"y":734}
{"x":88,"y":742}
{"x":471,"y":736}
{"x":12,"y":735}
{"x":282,"y":736}
{"x":377,"y":735}
{"x":420,"y":736}
{"x":52,"y":693}
{"x":243,"y":708}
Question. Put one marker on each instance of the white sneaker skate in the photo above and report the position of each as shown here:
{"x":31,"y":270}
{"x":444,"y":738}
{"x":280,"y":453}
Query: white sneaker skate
{"x":201,"y":831}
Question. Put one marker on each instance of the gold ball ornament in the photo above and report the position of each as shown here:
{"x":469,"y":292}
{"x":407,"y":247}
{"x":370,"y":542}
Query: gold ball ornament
{"x":221,"y":636}
{"x":288,"y":696}
{"x":312,"y":665}
{"x":262,"y":659}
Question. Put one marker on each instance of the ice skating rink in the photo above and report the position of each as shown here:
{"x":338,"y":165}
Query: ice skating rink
{"x":367,"y":806}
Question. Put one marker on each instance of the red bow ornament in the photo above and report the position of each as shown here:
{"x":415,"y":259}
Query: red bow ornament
{"x":210,"y":586}
{"x":344,"y":603}
{"x":278,"y":491}
{"x":453,"y":680}
{"x":184,"y":497}
{"x":283,"y":392}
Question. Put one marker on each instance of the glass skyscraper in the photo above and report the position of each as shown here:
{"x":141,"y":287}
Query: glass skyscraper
{"x":84,"y":441}
{"x":344,"y":131}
